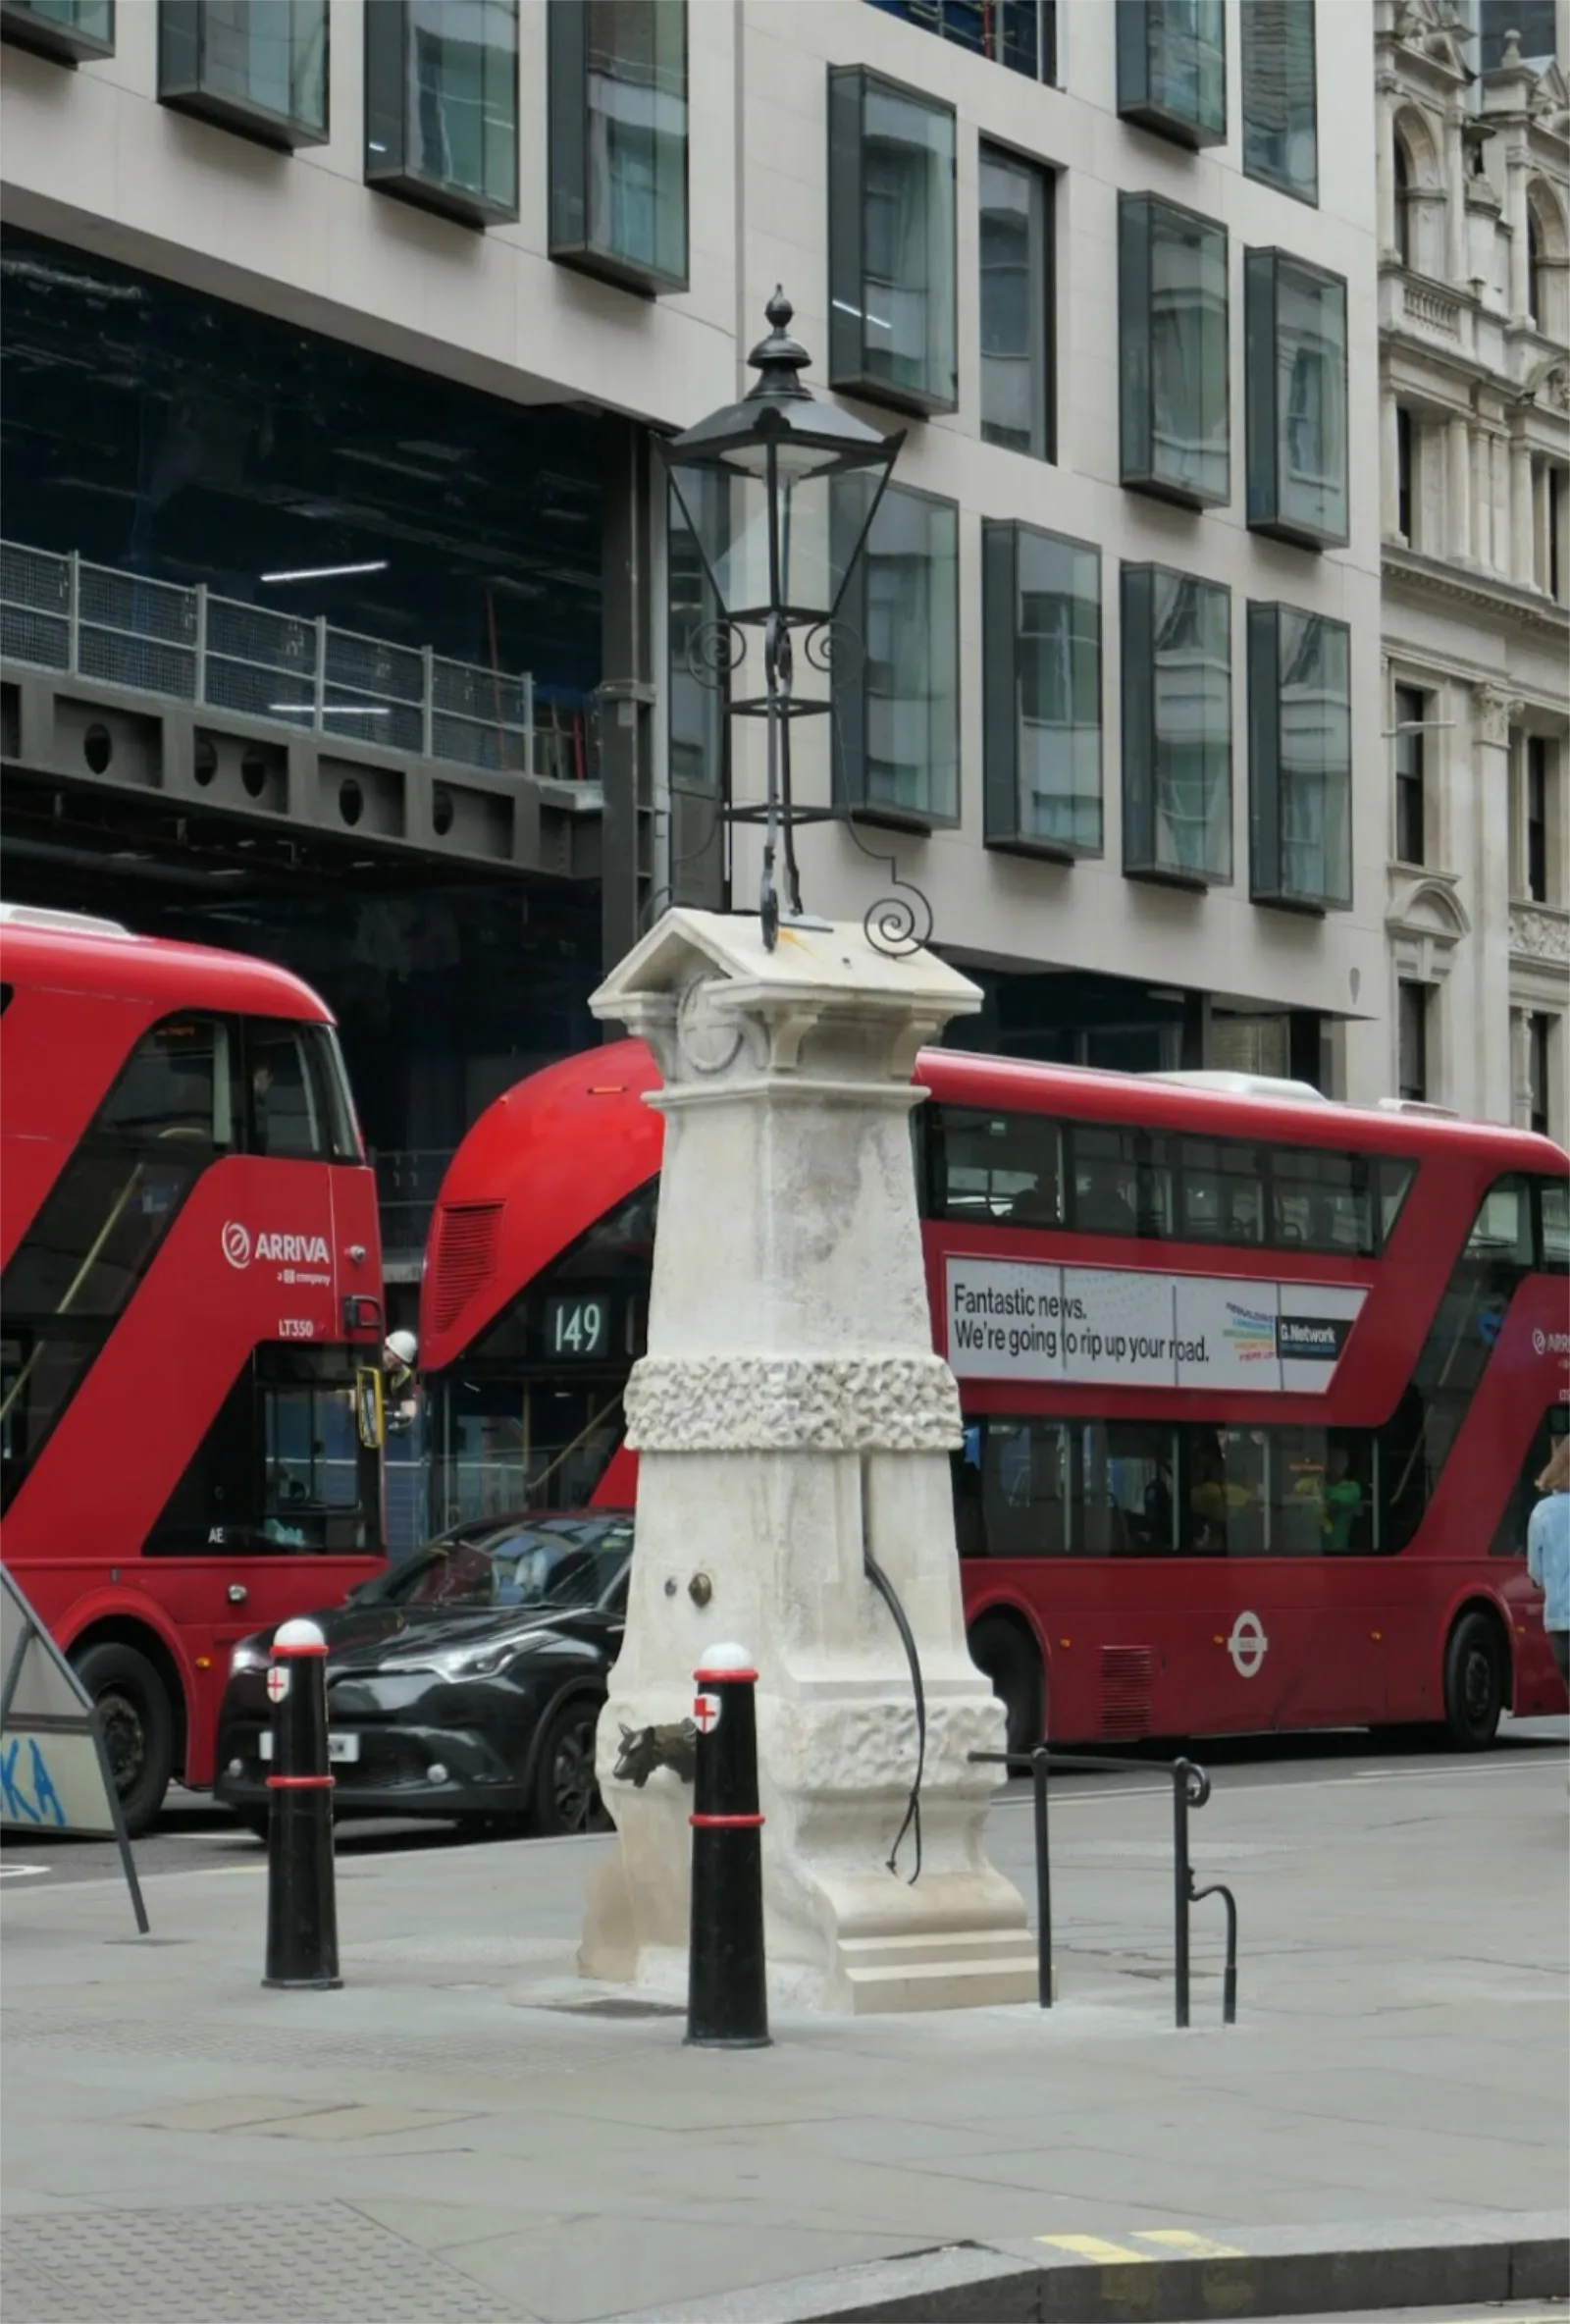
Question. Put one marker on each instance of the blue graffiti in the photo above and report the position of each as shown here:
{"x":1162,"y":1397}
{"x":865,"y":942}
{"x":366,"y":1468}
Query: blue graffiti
{"x":44,"y":1805}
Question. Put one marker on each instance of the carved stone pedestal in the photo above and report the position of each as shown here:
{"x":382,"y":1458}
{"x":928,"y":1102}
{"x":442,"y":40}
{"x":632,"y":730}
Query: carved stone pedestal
{"x":791,"y":1415}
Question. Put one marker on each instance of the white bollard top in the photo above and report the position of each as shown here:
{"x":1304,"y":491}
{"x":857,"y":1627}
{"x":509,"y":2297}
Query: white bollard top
{"x":299,"y":1637}
{"x":718,"y":1658}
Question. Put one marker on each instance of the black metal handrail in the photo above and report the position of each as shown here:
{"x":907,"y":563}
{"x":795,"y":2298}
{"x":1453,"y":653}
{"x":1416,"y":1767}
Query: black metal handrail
{"x":1190,"y":1788}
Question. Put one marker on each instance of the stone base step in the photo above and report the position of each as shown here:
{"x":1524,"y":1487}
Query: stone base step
{"x":938,"y":1969}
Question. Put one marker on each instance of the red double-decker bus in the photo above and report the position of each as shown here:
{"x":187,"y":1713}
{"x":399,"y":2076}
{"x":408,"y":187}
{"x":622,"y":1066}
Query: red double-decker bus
{"x":1254,"y":1384}
{"x":191,"y":1320}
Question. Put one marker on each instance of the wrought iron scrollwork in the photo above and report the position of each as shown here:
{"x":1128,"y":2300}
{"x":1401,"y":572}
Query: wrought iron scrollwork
{"x":829,"y":642}
{"x":896,"y":925}
{"x":714,"y":650}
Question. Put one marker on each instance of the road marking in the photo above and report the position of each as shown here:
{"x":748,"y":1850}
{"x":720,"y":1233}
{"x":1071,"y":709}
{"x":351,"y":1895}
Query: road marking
{"x":1183,"y":2240}
{"x":1095,"y":2247}
{"x":22,"y":1872}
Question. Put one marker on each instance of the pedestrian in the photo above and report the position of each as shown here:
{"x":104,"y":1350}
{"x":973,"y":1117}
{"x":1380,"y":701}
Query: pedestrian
{"x":1549,"y":1552}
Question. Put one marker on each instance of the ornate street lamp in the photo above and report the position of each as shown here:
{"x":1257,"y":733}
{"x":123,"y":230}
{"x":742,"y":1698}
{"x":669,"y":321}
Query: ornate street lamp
{"x":779,"y":493}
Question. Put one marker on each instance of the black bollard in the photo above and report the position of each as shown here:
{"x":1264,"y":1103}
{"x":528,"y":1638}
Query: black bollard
{"x":727,"y":1988}
{"x":302,"y":1907}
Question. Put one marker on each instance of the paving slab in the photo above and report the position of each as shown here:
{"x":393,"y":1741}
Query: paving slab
{"x":462,"y":2131}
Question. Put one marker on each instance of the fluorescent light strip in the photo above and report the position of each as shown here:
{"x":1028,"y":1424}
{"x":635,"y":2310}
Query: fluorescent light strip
{"x":325,"y":573}
{"x":329,"y":710}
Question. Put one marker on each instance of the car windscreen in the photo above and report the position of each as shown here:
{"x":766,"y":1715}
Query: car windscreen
{"x":573,"y":1563}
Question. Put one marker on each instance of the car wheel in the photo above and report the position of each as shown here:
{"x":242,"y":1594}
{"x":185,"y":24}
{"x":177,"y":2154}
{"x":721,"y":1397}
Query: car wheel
{"x":1474,"y":1682}
{"x":566,"y":1794}
{"x":1001,"y":1654}
{"x":138,"y":1723}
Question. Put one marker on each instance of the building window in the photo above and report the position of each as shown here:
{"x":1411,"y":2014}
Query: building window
{"x":896,"y":704}
{"x":1176,"y":727}
{"x":255,"y":66}
{"x":441,"y":106}
{"x":1539,"y":783}
{"x":1536,"y":301}
{"x":1402,"y":176}
{"x":1532,"y":21}
{"x":1041,"y":691}
{"x":619,"y":139}
{"x":892,"y":293}
{"x":1280,"y":114}
{"x":1017,"y":333}
{"x":1294,"y":319}
{"x":1019,"y":34}
{"x":1172,"y":317}
{"x":1299,"y":758}
{"x":1171,"y":68}
{"x":1539,"y":1032}
{"x":1404,"y":467}
{"x":1412,"y":1041}
{"x":67,"y":31}
{"x":1411,"y":803}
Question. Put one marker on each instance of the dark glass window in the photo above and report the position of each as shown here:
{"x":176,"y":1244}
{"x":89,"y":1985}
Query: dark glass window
{"x":1224,"y":1191}
{"x":1532,"y":21}
{"x":298,"y":1099}
{"x":1294,"y":334}
{"x":1122,"y":1182}
{"x":69,"y":32}
{"x":1017,"y":351}
{"x":1280,"y":114}
{"x":1299,"y":758}
{"x":1554,"y":1225}
{"x":1171,"y":325}
{"x":1411,"y":800}
{"x":282,"y":1469}
{"x":892,"y":287}
{"x":1320,"y":1200}
{"x":1539,"y":1038}
{"x":255,"y":66}
{"x":1176,"y":727}
{"x":1538,"y":749}
{"x":168,"y":1113}
{"x":896,"y":716}
{"x":619,"y":139}
{"x":1019,"y":35}
{"x":1001,"y":1168}
{"x":1412,"y":1040}
{"x":442,"y":105}
{"x":1171,"y":68}
{"x":1402,"y":170}
{"x":1403,"y":472}
{"x":1416,"y":1441}
{"x":1041,"y":663}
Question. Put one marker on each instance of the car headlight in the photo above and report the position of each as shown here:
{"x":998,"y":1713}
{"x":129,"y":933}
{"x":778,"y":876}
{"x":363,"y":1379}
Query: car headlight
{"x":248,"y":1654}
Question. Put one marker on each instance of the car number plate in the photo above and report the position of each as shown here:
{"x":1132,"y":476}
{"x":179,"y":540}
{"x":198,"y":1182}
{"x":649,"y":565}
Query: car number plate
{"x":340,"y":1744}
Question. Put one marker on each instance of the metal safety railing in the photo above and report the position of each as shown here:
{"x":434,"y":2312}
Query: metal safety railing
{"x":1190,"y":1788}
{"x":298,"y":672}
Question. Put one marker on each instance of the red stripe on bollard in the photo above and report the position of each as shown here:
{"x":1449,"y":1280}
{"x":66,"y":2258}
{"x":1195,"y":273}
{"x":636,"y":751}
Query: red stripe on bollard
{"x":300,"y":1782}
{"x":295,"y":1653}
{"x":727,"y":1822}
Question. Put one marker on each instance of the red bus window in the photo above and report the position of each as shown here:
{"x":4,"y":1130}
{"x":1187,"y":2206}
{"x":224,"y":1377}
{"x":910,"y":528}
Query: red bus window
{"x":1553,"y":1196}
{"x":1004,"y":1169}
{"x":1223,"y":1191}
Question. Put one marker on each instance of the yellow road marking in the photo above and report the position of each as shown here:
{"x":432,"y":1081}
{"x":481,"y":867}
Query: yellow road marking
{"x":1094,"y":2248}
{"x":1183,"y":2240}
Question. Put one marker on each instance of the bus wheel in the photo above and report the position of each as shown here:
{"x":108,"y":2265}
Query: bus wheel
{"x":1474,"y":1682}
{"x":138,"y":1729}
{"x":1010,"y":1661}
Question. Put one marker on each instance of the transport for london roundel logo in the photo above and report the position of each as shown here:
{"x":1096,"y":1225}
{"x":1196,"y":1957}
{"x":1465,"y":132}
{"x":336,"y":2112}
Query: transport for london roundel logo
{"x":237,"y":1243}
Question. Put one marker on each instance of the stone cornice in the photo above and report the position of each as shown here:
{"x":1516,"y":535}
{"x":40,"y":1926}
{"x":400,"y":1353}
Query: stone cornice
{"x":1486,"y":593}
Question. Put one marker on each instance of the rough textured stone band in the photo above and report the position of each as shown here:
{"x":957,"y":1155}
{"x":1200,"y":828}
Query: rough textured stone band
{"x":866,"y":1403}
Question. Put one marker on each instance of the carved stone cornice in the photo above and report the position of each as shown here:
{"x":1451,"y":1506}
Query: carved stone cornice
{"x":1496,"y":710}
{"x":1488,"y":593}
